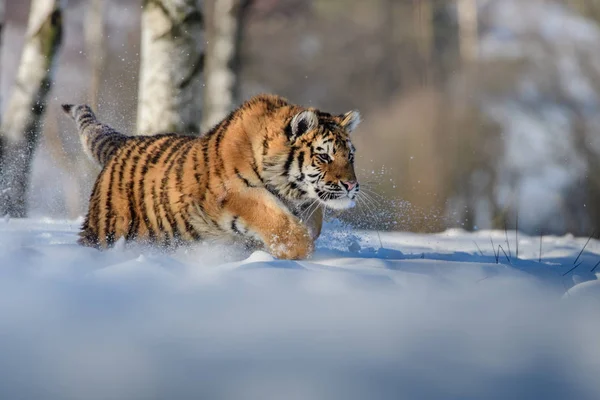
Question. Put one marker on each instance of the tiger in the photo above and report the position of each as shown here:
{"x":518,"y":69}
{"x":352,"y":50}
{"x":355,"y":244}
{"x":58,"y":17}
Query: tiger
{"x":262,"y":175}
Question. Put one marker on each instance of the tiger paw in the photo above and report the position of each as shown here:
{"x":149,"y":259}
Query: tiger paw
{"x":293,"y":245}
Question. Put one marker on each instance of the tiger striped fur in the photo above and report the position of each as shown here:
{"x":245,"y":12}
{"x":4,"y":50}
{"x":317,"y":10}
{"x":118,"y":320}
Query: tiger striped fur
{"x":262,"y":174}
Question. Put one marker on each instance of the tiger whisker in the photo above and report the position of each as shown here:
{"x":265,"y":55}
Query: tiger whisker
{"x":360,"y":209}
{"x":371,"y":191}
{"x":375,"y":203}
{"x":313,"y":211}
{"x":367,"y":206}
{"x":307,"y":210}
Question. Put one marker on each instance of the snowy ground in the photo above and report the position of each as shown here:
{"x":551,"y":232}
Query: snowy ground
{"x":370,"y":316}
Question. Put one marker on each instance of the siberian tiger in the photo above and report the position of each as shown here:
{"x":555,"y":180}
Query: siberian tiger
{"x":254,"y":176}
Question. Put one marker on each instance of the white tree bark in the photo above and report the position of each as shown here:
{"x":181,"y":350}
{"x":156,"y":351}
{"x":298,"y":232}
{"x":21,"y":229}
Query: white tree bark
{"x":1,"y":29}
{"x":94,"y":38}
{"x":223,"y":30}
{"x":172,"y":58}
{"x":22,"y":122}
{"x":468,"y":26}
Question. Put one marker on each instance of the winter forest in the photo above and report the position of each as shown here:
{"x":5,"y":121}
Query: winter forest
{"x":470,"y":270}
{"x":473,"y":114}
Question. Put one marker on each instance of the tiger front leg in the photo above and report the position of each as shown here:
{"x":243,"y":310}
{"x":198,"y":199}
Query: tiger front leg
{"x":291,"y":241}
{"x":314,"y":221}
{"x":257,"y":213}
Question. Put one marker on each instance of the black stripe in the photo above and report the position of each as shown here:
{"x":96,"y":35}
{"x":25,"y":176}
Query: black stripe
{"x":300,"y":164}
{"x":108,"y":221}
{"x":97,"y":142}
{"x":143,"y":208}
{"x":324,"y":115}
{"x":180,"y":163}
{"x":160,"y":150}
{"x":122,"y":169}
{"x":105,"y":151}
{"x":164,"y":191}
{"x":301,"y":160}
{"x":293,"y":186}
{"x":206,"y":157}
{"x":255,"y":169}
{"x":179,"y":171}
{"x":84,"y":115}
{"x":84,"y":121}
{"x":197,"y":175}
{"x":234,"y":227}
{"x":94,"y":211}
{"x":142,"y":145}
{"x":246,"y":181}
{"x":289,"y":161}
{"x":222,"y":130}
{"x":190,"y":229}
{"x":133,"y":224}
{"x":288,"y":129}
{"x":159,"y":219}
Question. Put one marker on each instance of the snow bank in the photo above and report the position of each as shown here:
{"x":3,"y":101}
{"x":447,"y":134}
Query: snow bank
{"x":428,"y":316}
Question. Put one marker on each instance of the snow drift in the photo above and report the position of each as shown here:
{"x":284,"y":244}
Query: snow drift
{"x":424,"y":316}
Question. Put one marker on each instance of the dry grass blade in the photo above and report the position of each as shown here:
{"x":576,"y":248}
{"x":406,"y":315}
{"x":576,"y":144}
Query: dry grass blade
{"x":541,"y":237}
{"x":496,"y":255}
{"x":505,"y":255}
{"x":517,"y":233}
{"x":507,"y":242}
{"x":476,"y":245}
{"x":573,"y":269}
{"x":584,"y":246}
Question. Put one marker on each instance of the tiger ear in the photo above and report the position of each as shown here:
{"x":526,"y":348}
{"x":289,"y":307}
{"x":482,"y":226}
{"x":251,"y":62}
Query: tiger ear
{"x":350,"y":120}
{"x":303,"y":122}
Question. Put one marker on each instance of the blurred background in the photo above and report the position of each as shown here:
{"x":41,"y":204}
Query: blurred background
{"x":477,"y":114}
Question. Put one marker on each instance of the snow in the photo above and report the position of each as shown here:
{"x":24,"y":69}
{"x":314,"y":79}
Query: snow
{"x":371,"y":315}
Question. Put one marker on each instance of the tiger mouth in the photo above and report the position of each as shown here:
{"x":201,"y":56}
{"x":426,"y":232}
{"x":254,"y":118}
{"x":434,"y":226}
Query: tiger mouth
{"x":337,"y":196}
{"x":326,"y":195}
{"x":337,"y":200}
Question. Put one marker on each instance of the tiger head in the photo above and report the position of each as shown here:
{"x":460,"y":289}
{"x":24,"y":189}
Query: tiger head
{"x":320,"y":162}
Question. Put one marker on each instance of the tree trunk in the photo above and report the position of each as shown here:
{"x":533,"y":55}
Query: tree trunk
{"x":94,"y":38}
{"x":423,"y":30}
{"x":445,"y":41}
{"x":1,"y":29}
{"x":224,"y":32}
{"x":467,"y":26}
{"x":22,"y":123}
{"x":172,"y":58}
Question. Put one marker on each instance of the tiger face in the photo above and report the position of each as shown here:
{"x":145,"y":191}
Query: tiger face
{"x":324,"y":162}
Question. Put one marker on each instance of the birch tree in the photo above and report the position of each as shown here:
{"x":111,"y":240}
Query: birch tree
{"x":1,"y":28}
{"x":423,"y":31}
{"x":467,"y":29}
{"x":22,"y":123}
{"x":224,"y":32}
{"x":172,"y":59}
{"x":94,"y":38}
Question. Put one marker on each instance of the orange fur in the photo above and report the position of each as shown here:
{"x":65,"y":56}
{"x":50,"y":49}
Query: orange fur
{"x":262,"y":175}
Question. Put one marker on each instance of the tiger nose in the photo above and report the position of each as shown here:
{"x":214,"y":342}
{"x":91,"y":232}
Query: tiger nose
{"x":349,"y":185}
